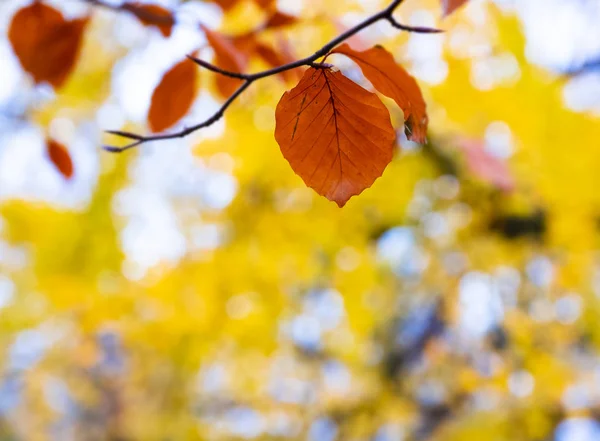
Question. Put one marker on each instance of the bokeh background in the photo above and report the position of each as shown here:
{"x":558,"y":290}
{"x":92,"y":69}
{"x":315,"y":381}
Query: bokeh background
{"x":197,"y":290}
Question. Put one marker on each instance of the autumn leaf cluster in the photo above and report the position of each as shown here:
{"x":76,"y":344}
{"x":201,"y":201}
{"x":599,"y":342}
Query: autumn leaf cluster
{"x":338,"y":159}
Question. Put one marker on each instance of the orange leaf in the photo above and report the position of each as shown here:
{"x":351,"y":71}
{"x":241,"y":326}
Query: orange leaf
{"x":389,"y":78}
{"x":152,"y":15}
{"x":60,"y":157}
{"x":173,"y":97}
{"x":226,"y":5}
{"x":249,"y":44}
{"x":337,"y":136}
{"x":265,"y":4}
{"x":280,"y":19}
{"x":273,"y":58}
{"x":46,"y":44}
{"x":244,"y":44}
{"x":227,"y":57}
{"x":287,"y":55}
{"x":449,"y":6}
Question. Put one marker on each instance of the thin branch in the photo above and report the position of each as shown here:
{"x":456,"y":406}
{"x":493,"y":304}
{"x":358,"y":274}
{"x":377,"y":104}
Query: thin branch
{"x":416,"y":29}
{"x":215,"y":69}
{"x":385,"y":14}
{"x":144,"y":139}
{"x":141,"y":13}
{"x":125,"y":134}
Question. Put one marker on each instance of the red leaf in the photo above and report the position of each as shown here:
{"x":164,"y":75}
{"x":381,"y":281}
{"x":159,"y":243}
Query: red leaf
{"x":227,"y":57}
{"x":449,"y":6}
{"x":389,"y":78}
{"x":152,"y":15}
{"x":337,"y":136}
{"x":45,"y":43}
{"x":486,"y":166}
{"x":59,"y":155}
{"x":174,"y":96}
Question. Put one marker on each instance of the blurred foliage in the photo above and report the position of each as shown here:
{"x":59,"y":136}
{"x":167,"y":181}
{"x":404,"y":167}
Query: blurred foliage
{"x":435,"y":306}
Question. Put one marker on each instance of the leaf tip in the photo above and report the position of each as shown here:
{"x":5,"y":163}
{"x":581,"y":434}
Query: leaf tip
{"x":60,"y":157}
{"x":341,"y":203}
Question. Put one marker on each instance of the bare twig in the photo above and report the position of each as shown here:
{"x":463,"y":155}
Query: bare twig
{"x":141,"y":13}
{"x":385,"y":14}
{"x":417,"y":29}
{"x":206,"y":65}
{"x":139,"y":140}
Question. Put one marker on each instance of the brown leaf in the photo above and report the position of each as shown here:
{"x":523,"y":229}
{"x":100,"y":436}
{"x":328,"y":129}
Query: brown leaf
{"x":287,"y":54}
{"x":449,"y":6}
{"x":265,"y":4}
{"x":227,"y":57}
{"x":244,"y":44}
{"x":45,"y":43}
{"x":389,"y":78}
{"x":337,"y":136}
{"x":273,"y":58}
{"x":152,"y":15}
{"x":173,"y":97}
{"x":280,"y":19}
{"x":248,"y":44}
{"x":59,"y":155}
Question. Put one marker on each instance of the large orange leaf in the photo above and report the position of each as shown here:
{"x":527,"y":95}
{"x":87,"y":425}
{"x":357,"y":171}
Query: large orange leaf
{"x":337,"y":136}
{"x":227,"y":57}
{"x":152,"y":15}
{"x":60,"y":157}
{"x":173,"y":97}
{"x":449,"y":6}
{"x":389,"y":78}
{"x":45,"y":43}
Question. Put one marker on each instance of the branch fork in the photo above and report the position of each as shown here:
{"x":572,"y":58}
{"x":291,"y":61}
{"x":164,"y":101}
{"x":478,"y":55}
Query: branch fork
{"x":311,"y":61}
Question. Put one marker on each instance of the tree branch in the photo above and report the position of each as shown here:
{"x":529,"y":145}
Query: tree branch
{"x":139,"y":139}
{"x":385,"y":14}
{"x":141,"y":13}
{"x":208,"y":66}
{"x":417,"y":29}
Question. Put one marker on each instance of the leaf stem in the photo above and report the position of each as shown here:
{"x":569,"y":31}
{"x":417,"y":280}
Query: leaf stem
{"x":140,"y":12}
